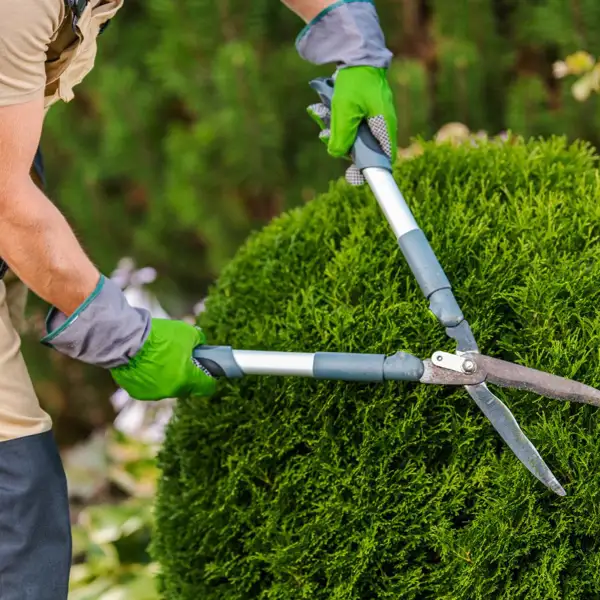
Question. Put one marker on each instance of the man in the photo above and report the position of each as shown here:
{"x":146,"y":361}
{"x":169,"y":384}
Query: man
{"x":46,"y":48}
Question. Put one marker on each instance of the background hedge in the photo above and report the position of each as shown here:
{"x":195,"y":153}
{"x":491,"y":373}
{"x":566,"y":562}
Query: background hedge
{"x":297,"y":489}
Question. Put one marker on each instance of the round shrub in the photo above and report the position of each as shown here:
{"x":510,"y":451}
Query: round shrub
{"x":291,"y":488}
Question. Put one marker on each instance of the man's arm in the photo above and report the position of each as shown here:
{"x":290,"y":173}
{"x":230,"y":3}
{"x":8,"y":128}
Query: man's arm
{"x":308,"y":9}
{"x":90,"y":319}
{"x":35,"y":239}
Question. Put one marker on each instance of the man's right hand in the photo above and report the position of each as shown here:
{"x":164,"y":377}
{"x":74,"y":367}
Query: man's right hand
{"x":150,"y":359}
{"x":164,"y":367}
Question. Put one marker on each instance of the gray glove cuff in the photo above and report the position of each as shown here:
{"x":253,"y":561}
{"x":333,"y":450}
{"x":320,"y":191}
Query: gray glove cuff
{"x":105,"y":330}
{"x":347,"y":33}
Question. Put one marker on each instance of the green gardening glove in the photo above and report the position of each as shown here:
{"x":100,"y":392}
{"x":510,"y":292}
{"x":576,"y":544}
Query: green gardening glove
{"x":151,"y":359}
{"x":348,"y":34}
{"x":360,"y":93}
{"x":164,"y":366}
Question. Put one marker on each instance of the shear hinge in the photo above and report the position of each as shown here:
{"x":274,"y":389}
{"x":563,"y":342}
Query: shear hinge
{"x":454,"y":362}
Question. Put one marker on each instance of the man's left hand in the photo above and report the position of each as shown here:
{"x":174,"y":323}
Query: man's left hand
{"x":360,"y":93}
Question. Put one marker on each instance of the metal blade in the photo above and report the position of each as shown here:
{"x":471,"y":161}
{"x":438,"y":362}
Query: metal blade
{"x":508,"y":428}
{"x":507,"y":374}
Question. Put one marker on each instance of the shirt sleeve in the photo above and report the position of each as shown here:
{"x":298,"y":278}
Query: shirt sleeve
{"x":26,"y":29}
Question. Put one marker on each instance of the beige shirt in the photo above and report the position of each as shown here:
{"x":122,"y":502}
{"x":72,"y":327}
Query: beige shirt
{"x":41,"y":53}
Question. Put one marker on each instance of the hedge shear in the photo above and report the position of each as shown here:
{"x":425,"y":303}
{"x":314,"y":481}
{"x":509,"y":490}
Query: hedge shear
{"x":465,"y":367}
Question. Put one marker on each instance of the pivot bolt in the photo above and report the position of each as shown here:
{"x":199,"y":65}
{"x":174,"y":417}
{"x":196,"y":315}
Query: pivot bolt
{"x":469,"y":366}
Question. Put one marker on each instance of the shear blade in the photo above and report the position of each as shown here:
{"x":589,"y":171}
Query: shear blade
{"x":506,"y":425}
{"x":507,"y":374}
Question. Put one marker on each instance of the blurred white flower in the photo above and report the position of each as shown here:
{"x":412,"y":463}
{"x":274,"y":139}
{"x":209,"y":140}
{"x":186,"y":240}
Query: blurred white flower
{"x":585,"y":85}
{"x":560,"y":69}
{"x":200,"y":307}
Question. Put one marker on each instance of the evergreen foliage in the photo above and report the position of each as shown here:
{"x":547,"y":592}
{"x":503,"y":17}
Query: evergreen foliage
{"x":290,"y":488}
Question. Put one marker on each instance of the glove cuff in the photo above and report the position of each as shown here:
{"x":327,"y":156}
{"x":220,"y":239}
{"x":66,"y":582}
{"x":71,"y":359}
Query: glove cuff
{"x":347,"y":33}
{"x":105,"y":330}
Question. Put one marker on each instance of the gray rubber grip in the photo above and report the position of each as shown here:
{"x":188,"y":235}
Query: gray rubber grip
{"x":403,"y":367}
{"x":444,"y":306}
{"x":367,"y":367}
{"x":218,"y":360}
{"x":366,"y":152}
{"x":349,"y":367}
{"x":423,"y":262}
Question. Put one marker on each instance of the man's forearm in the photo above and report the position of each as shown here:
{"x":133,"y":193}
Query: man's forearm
{"x":308,"y":9}
{"x":40,"y":247}
{"x":346,"y":33}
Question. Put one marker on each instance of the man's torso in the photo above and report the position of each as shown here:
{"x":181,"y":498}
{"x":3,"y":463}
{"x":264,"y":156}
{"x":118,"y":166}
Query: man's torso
{"x":42,"y":47}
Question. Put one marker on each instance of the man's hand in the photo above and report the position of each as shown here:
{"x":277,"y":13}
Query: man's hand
{"x":360,"y":93}
{"x":150,"y":359}
{"x":347,"y":33}
{"x":164,"y":367}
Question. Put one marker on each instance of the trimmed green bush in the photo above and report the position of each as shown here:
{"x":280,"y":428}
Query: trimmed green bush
{"x":289,"y":489}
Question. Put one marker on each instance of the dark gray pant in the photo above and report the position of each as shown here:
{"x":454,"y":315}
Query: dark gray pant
{"x":35,"y":528}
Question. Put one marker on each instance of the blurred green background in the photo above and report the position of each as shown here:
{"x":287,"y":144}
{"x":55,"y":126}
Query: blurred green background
{"x":192,"y":131}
